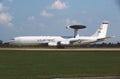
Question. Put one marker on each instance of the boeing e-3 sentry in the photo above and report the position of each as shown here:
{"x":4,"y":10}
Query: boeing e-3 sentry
{"x":98,"y":36}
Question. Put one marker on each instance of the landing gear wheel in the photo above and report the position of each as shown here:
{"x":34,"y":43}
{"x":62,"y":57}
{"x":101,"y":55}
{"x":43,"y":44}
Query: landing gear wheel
{"x":60,"y":46}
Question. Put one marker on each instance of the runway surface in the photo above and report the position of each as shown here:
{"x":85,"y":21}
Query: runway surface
{"x":66,"y":49}
{"x":112,"y":77}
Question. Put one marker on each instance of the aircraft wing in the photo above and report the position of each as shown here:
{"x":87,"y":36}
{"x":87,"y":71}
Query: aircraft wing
{"x":73,"y":41}
{"x":78,"y":41}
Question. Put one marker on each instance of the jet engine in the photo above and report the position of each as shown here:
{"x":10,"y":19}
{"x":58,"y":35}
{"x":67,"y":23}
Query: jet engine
{"x":64,"y":43}
{"x":52,"y":44}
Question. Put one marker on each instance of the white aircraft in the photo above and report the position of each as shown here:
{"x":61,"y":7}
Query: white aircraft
{"x":98,"y":36}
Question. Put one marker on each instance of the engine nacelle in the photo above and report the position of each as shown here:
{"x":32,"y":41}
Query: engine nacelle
{"x":52,"y":44}
{"x":64,"y":43}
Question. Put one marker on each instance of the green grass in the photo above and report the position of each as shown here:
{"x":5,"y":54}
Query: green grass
{"x":16,"y":64}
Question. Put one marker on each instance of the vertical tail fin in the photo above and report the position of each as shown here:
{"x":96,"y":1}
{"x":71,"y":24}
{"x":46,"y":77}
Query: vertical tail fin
{"x":102,"y":31}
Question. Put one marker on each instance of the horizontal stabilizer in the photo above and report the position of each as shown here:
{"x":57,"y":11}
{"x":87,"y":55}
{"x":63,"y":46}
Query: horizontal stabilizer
{"x":106,"y":38}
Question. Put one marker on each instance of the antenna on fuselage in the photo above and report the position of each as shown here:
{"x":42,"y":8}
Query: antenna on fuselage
{"x":76,"y":29}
